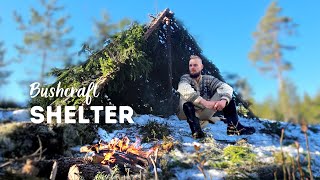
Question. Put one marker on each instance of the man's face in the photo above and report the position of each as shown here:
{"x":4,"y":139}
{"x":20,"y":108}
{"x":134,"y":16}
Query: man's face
{"x":195,"y":67}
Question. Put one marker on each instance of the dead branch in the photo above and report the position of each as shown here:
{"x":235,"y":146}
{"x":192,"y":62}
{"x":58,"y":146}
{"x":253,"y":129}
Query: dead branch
{"x":54,"y":171}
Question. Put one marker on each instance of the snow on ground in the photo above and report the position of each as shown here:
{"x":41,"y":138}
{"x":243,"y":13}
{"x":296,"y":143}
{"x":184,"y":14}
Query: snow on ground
{"x":264,"y":145}
{"x":261,"y":143}
{"x":15,"y":115}
{"x":196,"y":174}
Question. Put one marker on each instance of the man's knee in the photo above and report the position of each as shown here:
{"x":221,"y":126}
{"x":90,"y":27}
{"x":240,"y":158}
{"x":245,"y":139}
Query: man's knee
{"x":188,"y":107}
{"x":215,"y":97}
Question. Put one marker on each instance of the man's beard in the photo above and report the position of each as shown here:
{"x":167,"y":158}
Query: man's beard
{"x":195,"y":75}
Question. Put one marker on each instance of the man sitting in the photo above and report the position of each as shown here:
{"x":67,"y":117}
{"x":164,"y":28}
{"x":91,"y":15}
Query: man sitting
{"x":201,"y":96}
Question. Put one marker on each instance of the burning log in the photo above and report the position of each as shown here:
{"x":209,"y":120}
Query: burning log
{"x":121,"y":153}
{"x":96,"y":158}
{"x":135,"y":163}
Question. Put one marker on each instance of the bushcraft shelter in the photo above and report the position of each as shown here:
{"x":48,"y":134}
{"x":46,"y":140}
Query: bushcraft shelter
{"x":139,"y":67}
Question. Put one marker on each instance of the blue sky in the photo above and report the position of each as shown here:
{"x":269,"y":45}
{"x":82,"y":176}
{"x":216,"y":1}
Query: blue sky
{"x":222,"y":28}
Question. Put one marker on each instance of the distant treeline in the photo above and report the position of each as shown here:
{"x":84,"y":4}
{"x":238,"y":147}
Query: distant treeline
{"x":305,"y":109}
{"x":5,"y":104}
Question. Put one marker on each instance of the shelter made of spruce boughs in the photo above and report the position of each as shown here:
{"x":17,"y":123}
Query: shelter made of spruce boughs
{"x":139,"y":67}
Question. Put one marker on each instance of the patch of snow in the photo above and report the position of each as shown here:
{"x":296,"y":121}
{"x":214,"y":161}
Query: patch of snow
{"x":76,"y":148}
{"x":262,"y":144}
{"x":195,"y":174}
{"x":105,"y":136}
{"x":15,"y":115}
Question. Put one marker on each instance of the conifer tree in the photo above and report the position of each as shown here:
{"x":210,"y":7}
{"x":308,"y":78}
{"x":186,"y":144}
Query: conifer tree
{"x":3,"y":73}
{"x":267,"y":53}
{"x":264,"y":109}
{"x":103,"y":29}
{"x":309,"y":108}
{"x":45,"y":37}
{"x":240,"y":85}
{"x":292,"y":98}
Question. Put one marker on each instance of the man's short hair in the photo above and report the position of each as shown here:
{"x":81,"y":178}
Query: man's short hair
{"x":195,"y":57}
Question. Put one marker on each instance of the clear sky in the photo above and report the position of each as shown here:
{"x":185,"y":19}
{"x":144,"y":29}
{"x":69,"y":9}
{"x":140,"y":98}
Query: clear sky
{"x":222,"y":28}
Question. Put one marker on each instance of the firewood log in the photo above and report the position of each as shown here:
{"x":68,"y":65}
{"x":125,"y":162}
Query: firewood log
{"x":43,"y":168}
{"x":64,"y":164}
{"x":87,"y":171}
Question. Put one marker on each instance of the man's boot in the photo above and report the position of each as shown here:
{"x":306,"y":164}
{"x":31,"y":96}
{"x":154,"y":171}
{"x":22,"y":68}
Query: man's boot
{"x":193,"y":121}
{"x":234,"y":126}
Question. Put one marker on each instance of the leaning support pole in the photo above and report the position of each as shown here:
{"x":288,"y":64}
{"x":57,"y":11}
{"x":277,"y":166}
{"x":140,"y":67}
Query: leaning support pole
{"x":167,"y":20}
{"x":169,"y":52}
{"x":155,"y":23}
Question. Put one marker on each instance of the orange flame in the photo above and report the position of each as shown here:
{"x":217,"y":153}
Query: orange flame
{"x":123,"y":146}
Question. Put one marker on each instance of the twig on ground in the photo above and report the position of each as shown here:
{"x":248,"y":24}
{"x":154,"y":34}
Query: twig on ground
{"x":54,"y":171}
{"x":283,"y":157}
{"x":154,"y":164}
{"x":38,"y":153}
{"x":298,"y":160}
{"x":304,"y":129}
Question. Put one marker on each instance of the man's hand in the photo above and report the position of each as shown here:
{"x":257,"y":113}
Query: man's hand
{"x":214,"y":105}
{"x":220,"y":104}
{"x":208,"y":104}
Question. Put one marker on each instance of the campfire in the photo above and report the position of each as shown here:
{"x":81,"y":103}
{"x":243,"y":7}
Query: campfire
{"x":119,"y":152}
{"x":118,"y":157}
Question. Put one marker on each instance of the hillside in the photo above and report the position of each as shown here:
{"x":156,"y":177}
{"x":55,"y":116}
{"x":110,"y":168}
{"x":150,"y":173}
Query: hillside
{"x":218,"y":155}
